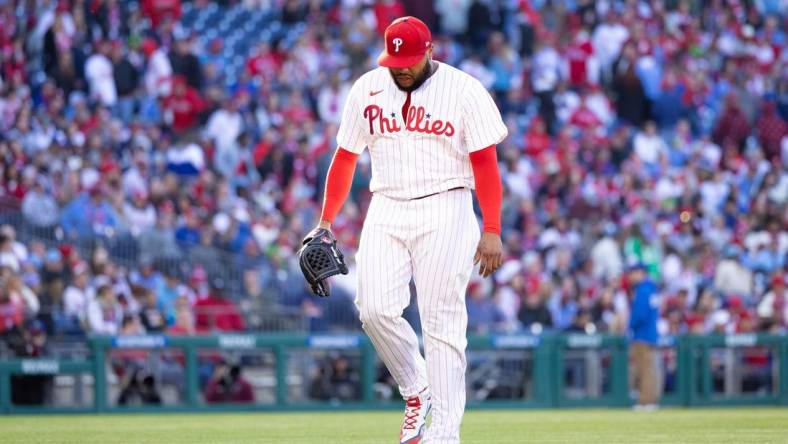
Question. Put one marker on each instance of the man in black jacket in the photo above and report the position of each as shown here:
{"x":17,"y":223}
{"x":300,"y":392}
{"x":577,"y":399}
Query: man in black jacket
{"x":185,"y":63}
{"x":534,"y":311}
{"x":126,"y":81}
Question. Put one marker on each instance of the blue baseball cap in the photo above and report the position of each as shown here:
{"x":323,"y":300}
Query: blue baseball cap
{"x":637,"y":266}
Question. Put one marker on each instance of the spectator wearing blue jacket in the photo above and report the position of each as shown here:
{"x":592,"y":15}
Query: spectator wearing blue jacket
{"x":88,"y":215}
{"x":643,"y":327}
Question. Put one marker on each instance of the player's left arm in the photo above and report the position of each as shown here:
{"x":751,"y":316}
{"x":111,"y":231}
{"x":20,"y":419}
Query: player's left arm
{"x":489,"y":192}
{"x":483,"y":129}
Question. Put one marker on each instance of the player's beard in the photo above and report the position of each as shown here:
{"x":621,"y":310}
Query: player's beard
{"x":418,"y":80}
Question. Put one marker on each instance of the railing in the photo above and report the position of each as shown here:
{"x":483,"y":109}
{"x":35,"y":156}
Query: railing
{"x":286,"y":371}
{"x":124,"y":248}
{"x":125,"y":251}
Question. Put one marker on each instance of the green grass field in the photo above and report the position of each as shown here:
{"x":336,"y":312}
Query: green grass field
{"x":740,"y":426}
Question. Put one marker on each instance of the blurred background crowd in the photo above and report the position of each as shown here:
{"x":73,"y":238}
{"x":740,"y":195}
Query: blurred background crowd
{"x":161,"y":160}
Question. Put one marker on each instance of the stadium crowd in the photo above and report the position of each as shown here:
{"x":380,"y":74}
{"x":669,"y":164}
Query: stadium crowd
{"x":155,"y":180}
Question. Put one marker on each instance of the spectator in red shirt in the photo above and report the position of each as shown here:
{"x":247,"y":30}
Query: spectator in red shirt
{"x":263,"y":148}
{"x":537,"y":141}
{"x":578,"y":55}
{"x":215,"y":313}
{"x":583,"y":117}
{"x":13,"y":67}
{"x":158,"y":10}
{"x":184,"y":106}
{"x":733,"y":125}
{"x":297,"y":111}
{"x":771,"y":129}
{"x":385,"y":12}
{"x":264,"y":62}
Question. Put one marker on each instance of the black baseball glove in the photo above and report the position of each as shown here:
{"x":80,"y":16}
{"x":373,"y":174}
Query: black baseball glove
{"x":320,"y":259}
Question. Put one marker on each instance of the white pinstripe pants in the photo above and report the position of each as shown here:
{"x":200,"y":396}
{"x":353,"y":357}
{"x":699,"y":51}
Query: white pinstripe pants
{"x":432,"y":240}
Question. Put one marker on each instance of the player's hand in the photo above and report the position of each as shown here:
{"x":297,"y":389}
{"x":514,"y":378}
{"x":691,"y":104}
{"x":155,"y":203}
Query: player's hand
{"x":489,"y":253}
{"x":322,"y":225}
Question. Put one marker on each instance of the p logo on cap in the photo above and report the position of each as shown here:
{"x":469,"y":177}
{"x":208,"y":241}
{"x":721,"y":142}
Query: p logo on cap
{"x":407,"y":40}
{"x":397,"y":43}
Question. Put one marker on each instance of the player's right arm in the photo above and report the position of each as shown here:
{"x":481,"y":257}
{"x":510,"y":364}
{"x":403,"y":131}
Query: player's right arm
{"x":351,"y":141}
{"x":338,"y":183}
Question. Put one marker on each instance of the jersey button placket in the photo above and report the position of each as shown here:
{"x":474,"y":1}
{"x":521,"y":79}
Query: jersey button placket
{"x":405,"y":107}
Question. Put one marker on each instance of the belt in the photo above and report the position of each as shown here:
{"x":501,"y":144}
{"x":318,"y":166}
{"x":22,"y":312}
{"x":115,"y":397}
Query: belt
{"x":450,"y":189}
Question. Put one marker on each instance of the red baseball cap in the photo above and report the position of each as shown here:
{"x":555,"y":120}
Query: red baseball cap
{"x":407,"y":40}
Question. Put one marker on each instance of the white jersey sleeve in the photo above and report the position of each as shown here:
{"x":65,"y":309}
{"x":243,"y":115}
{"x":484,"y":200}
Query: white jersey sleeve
{"x":351,"y":134}
{"x":482,"y":123}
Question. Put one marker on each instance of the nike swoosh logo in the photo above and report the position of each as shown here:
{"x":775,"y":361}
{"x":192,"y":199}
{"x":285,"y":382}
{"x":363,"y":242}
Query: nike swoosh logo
{"x":375,"y":93}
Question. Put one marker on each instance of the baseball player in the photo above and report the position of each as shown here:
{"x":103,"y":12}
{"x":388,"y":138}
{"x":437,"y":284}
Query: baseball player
{"x":431,"y":132}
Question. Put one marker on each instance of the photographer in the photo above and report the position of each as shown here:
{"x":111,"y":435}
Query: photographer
{"x":336,"y":379}
{"x":139,"y":389}
{"x":31,"y":342}
{"x":228,"y":385}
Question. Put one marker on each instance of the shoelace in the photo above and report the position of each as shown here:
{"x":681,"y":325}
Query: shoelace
{"x":412,"y":408}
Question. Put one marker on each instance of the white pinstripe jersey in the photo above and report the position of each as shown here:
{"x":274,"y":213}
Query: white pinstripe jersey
{"x":450,"y":116}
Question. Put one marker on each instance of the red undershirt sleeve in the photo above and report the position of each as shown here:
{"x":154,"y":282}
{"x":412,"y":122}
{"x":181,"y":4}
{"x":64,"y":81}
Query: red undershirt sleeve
{"x":338,"y":182}
{"x":489,"y":190}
